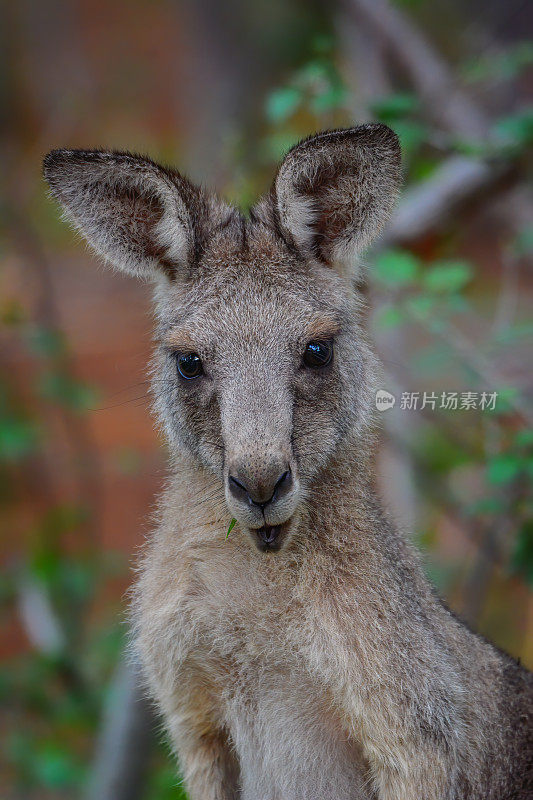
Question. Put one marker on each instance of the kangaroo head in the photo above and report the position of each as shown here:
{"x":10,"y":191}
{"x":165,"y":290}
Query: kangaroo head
{"x":262,"y":372}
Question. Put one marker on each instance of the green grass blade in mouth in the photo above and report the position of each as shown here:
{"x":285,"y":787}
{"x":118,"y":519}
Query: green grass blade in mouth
{"x":232,"y":523}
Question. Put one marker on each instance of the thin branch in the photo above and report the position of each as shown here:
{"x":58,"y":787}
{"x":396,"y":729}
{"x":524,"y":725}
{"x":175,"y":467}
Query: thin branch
{"x":508,"y":295}
{"x":459,"y":181}
{"x":38,"y":617}
{"x":124,"y":743}
{"x":436,"y":85}
{"x":455,"y":184}
{"x":367,"y":72}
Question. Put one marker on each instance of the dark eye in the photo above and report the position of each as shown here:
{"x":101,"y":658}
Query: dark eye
{"x":189,"y":365}
{"x":318,"y":354}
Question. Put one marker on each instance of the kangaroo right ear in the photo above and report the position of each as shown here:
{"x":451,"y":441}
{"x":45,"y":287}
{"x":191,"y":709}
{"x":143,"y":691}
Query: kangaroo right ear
{"x":139,"y":216}
{"x":334,"y":191}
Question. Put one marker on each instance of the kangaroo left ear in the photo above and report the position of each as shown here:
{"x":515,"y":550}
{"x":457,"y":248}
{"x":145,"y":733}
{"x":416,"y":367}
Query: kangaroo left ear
{"x":141,"y":217}
{"x":334,"y":191}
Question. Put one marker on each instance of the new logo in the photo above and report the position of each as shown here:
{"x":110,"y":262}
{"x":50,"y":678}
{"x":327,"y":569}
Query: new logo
{"x":384,"y":400}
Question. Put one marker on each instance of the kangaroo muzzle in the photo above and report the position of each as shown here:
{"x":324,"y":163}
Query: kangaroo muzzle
{"x":262,"y":494}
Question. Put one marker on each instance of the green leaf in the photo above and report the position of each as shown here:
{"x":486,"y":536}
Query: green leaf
{"x":63,"y":389}
{"x":423,"y":168}
{"x":421,"y":306}
{"x":447,"y":276}
{"x":46,"y":342}
{"x":389,"y":317}
{"x":477,"y":148}
{"x":18,"y":438}
{"x":438,"y":453}
{"x":500,"y":66}
{"x":275,"y":146}
{"x":332,"y":98}
{"x":46,"y":763}
{"x":165,"y":784}
{"x":503,"y":469}
{"x":316,"y":74}
{"x":522,"y":560}
{"x":322,"y":44}
{"x":506,"y":395}
{"x":411,"y":135}
{"x":56,"y":768}
{"x":394,"y":106}
{"x":282,"y":103}
{"x":523,"y":242}
{"x":516,"y":129}
{"x":524,"y":438}
{"x":231,"y":526}
{"x":486,"y":505}
{"x":397,"y":268}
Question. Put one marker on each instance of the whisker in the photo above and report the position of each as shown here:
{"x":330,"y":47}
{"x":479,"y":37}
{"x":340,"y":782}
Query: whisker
{"x":123,"y":403}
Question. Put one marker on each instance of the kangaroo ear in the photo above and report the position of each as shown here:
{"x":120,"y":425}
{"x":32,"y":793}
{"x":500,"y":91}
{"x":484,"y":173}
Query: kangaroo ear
{"x":142,"y":218}
{"x":334,"y":191}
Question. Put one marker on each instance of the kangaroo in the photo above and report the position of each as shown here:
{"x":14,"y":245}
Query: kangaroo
{"x":303,"y":655}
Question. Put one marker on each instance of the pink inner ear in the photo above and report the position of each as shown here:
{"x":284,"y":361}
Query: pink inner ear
{"x":335,"y":191}
{"x":134,"y":215}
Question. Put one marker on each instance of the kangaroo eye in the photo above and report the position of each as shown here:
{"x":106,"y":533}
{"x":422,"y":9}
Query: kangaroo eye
{"x":189,"y":365}
{"x":318,"y":354}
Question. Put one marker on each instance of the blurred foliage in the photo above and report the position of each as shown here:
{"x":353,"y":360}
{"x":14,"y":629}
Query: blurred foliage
{"x":501,"y":66}
{"x":434,"y":295}
{"x":475,"y":464}
{"x":58,"y":688}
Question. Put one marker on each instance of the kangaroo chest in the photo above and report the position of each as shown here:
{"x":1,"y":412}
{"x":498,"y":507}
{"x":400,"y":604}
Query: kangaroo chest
{"x":250,"y":644}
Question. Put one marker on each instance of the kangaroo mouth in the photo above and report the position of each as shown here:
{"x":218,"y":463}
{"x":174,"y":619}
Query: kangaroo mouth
{"x":272,"y":538}
{"x":269,"y":537}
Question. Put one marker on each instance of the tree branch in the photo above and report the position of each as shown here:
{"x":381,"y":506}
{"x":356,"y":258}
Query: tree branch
{"x":447,"y":104}
{"x":123,"y":746}
{"x":456,"y":183}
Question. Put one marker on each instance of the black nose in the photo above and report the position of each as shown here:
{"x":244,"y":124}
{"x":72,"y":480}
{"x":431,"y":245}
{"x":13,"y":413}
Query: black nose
{"x":261,"y":494}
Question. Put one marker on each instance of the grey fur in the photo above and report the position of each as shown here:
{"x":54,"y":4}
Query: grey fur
{"x":328,"y":670}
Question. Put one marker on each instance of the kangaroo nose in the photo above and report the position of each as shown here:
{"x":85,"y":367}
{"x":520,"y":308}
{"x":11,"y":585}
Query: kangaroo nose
{"x":260,"y":493}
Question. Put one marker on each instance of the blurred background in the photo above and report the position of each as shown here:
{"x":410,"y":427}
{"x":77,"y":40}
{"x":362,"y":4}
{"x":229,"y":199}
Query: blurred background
{"x":221,"y":90}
